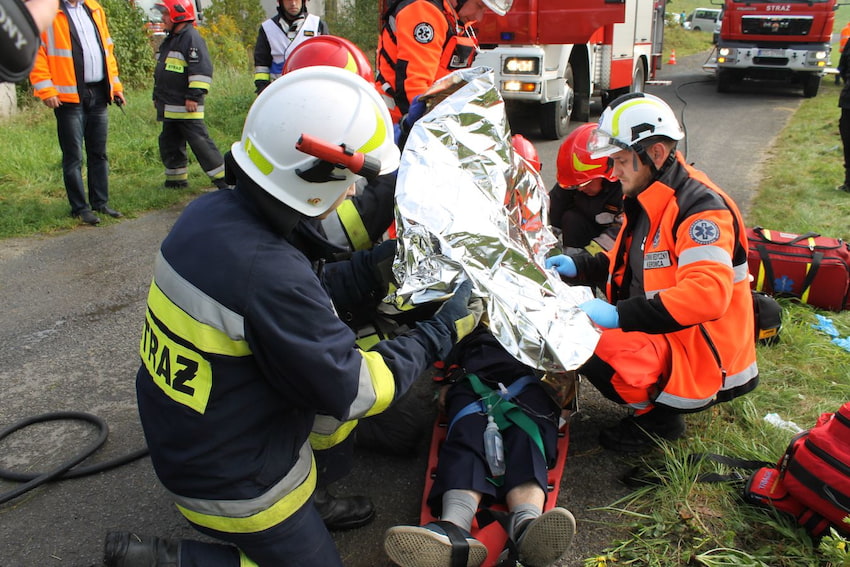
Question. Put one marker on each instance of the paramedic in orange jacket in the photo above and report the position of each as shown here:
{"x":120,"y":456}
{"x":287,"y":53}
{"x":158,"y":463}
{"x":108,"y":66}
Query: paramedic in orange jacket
{"x":424,"y":40}
{"x":677,"y":333}
{"x":76,"y":75}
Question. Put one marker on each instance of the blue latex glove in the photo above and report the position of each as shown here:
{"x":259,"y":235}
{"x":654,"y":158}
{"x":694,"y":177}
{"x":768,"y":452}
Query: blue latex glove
{"x":414,"y":113}
{"x":564,"y":265}
{"x":602,"y":313}
{"x":402,"y":129}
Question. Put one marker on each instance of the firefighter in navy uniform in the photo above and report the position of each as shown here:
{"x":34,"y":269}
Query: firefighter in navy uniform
{"x":242,"y":349}
{"x":586,"y":204}
{"x":181,"y":81}
{"x":677,"y":323}
{"x":425,"y":40}
{"x":279,"y":36}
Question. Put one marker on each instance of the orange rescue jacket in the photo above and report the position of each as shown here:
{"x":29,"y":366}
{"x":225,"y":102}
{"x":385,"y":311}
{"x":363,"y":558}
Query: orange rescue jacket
{"x":421,"y":41}
{"x":697,"y":290}
{"x":54,"y":72}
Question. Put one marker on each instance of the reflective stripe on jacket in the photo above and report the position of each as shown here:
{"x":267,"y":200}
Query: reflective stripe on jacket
{"x":696,"y":282}
{"x":58,"y":67}
{"x":421,"y":41}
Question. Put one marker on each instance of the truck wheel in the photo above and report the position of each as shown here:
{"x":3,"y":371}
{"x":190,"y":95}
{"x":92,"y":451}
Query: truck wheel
{"x":724,"y":81}
{"x":811,"y":84}
{"x":555,"y":116}
{"x":639,"y":79}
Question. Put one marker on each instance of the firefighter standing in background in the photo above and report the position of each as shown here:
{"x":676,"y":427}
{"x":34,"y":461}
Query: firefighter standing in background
{"x":281,"y":34}
{"x":677,"y":333}
{"x":181,"y":81}
{"x":242,"y":349}
{"x":76,"y":74}
{"x":424,"y":40}
{"x":586,"y":204}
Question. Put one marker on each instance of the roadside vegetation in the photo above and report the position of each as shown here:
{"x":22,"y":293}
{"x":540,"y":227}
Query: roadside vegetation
{"x":674,"y":521}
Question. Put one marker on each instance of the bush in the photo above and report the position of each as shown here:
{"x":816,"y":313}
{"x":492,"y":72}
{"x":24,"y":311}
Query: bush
{"x":230,"y":31}
{"x":132,"y":45}
{"x":358,"y":21}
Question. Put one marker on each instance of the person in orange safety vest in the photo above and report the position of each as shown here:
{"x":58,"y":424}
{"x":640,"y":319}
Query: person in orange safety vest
{"x":76,"y":75}
{"x":424,"y":40}
{"x":678,"y":321}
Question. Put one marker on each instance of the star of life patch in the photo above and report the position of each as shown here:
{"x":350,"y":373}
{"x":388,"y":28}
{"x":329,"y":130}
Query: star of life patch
{"x":423,"y":32}
{"x":704,"y":231}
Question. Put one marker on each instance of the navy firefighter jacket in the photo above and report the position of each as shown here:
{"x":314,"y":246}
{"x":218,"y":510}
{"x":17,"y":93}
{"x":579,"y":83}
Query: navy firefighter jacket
{"x":241,"y":347}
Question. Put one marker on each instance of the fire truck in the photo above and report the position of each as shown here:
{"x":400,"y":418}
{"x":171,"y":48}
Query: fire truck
{"x":774,"y":40}
{"x":554,"y":55}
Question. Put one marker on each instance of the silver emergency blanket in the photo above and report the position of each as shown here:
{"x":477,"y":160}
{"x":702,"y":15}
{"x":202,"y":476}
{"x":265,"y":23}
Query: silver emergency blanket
{"x":468,"y":207}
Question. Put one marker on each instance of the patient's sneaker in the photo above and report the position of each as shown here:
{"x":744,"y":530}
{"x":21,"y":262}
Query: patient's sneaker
{"x":543,"y":540}
{"x":437,"y":544}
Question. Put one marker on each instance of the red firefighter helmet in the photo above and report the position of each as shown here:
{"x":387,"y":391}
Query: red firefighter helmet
{"x":329,"y":50}
{"x":575,"y":166}
{"x":178,"y":11}
{"x":526,"y":149}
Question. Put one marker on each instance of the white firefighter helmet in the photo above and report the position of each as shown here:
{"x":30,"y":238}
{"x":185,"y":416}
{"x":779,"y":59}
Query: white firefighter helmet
{"x":629,"y":120}
{"x":501,"y":7}
{"x":334,"y":106}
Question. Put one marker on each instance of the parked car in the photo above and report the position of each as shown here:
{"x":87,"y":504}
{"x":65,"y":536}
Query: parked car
{"x":702,"y":19}
{"x":715,"y":36}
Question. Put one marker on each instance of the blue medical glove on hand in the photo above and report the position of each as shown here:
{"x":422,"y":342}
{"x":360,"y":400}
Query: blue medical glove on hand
{"x":402,"y":129}
{"x":564,"y":265}
{"x":602,"y":313}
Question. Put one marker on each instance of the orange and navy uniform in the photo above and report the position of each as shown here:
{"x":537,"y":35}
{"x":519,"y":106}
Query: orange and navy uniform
{"x":58,"y":68}
{"x":679,"y":278}
{"x":421,"y":42}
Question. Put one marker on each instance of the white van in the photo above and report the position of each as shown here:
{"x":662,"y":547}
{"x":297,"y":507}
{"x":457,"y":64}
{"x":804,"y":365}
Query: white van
{"x":702,"y":19}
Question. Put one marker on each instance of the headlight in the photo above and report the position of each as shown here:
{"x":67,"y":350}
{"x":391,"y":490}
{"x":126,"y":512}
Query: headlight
{"x":521,"y":66}
{"x":817,"y":58}
{"x":725,"y":51}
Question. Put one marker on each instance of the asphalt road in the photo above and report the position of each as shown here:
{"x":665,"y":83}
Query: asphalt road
{"x":72,"y":308}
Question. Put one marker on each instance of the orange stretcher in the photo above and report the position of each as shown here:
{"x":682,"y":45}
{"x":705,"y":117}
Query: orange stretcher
{"x":492,"y":535}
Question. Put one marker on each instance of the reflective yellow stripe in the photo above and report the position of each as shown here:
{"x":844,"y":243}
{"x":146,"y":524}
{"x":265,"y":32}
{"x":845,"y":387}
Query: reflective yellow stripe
{"x":319,"y":441}
{"x":245,"y":561}
{"x":382,"y":381}
{"x":204,"y":337}
{"x":184,"y":115}
{"x":367,"y":342}
{"x":760,"y":277}
{"x":271,"y":516}
{"x":183,"y":374}
{"x":353,"y":225}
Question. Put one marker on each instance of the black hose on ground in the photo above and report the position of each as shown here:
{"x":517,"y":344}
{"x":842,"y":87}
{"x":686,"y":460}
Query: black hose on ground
{"x":63,"y":471}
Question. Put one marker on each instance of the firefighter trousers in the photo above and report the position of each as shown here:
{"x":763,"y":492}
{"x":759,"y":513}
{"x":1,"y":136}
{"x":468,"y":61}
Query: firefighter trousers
{"x":299,"y":541}
{"x":172,"y":149}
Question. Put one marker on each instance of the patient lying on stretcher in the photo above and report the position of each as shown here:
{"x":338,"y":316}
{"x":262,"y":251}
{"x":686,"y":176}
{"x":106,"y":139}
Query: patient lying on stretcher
{"x":488,"y":383}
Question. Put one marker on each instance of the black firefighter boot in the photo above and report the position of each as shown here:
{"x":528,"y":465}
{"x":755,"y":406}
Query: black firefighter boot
{"x":343,"y":512}
{"x":637,"y":434}
{"x":124,"y":549}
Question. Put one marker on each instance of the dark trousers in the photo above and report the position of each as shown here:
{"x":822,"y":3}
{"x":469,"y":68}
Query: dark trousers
{"x":300,"y":541}
{"x":172,"y":149}
{"x":844,"y":129}
{"x":86,"y":122}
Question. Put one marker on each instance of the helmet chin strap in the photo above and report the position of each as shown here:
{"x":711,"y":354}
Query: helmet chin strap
{"x":644,"y":157}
